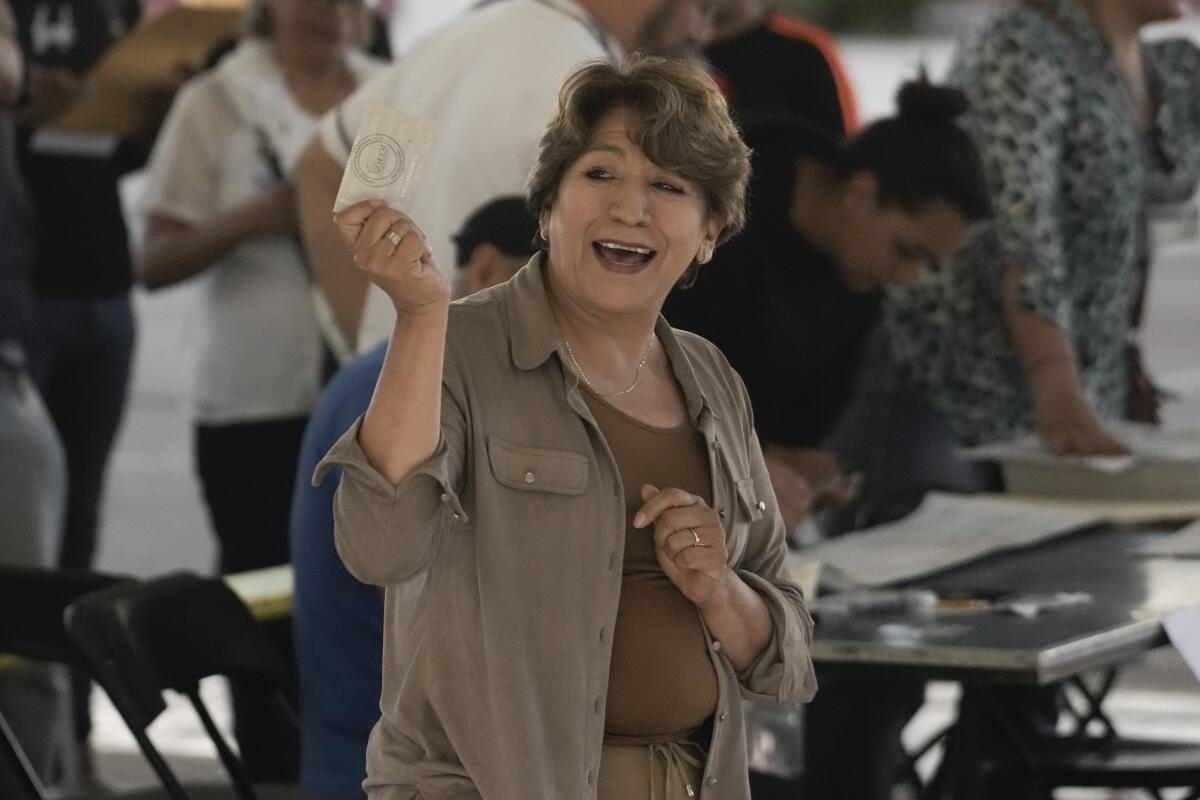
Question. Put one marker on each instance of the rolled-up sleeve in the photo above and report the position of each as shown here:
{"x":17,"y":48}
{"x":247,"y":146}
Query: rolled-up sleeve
{"x":783,"y":671}
{"x":388,"y":533}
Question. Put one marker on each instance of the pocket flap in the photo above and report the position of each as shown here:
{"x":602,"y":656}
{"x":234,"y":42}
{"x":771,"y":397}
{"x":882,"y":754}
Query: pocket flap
{"x":537,"y":469}
{"x":749,"y":500}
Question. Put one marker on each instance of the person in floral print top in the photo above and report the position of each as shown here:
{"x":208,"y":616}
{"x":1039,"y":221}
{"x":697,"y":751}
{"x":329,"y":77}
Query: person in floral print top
{"x":1082,"y":125}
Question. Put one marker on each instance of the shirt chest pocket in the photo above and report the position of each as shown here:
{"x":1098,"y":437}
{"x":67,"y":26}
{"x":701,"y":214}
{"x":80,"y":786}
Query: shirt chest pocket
{"x":745,"y":508}
{"x":537,"y":469}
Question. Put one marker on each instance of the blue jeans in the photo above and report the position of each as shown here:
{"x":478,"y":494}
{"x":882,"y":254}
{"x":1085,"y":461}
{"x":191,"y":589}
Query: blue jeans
{"x":80,"y":357}
{"x":33,"y":485}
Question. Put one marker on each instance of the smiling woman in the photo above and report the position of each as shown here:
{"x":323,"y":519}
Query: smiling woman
{"x":576,"y":487}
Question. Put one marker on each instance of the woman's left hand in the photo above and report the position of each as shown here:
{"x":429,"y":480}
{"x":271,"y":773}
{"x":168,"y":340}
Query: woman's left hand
{"x":689,"y":541}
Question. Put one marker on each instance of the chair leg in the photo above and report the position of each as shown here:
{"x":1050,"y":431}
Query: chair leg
{"x":237,"y":771}
{"x":19,"y":764}
{"x":174,"y":788}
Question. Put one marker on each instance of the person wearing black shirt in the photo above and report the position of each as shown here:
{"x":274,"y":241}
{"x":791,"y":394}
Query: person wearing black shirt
{"x":831,"y":225}
{"x":771,"y":64}
{"x":32,"y":472}
{"x":81,"y":340}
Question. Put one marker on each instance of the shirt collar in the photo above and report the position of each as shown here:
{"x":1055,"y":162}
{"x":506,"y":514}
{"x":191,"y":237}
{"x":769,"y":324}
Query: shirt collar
{"x":534,"y":335}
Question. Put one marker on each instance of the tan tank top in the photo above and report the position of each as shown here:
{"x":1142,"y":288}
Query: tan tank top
{"x":661,"y":685}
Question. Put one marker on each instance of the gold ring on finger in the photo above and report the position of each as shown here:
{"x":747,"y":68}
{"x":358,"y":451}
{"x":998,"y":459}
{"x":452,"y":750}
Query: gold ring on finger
{"x":698,"y":542}
{"x":393,"y":237}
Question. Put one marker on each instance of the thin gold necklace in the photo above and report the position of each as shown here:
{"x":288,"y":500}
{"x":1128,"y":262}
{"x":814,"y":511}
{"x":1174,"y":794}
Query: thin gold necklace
{"x":636,"y":375}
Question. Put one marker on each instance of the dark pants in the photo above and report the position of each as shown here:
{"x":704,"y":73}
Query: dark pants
{"x":33,"y":489}
{"x":248,"y":471}
{"x":80,"y":357}
{"x":852,"y":728}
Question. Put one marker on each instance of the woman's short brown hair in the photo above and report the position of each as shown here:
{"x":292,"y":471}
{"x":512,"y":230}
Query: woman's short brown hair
{"x":683,"y":126}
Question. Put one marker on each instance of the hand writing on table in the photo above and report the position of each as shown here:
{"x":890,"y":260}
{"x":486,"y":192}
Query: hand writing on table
{"x":689,"y":541}
{"x":1066,"y":423}
{"x":830,"y":484}
{"x":391,"y":251}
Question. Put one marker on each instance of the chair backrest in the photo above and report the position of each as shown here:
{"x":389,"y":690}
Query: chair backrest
{"x":169,"y":633}
{"x":32,"y":602}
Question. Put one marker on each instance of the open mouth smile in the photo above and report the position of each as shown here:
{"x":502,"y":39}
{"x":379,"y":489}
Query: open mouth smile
{"x":622,"y":256}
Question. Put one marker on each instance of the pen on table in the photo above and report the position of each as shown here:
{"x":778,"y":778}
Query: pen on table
{"x":964,"y":604}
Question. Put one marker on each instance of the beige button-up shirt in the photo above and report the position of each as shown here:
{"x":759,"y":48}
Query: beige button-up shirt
{"x":501,"y":557}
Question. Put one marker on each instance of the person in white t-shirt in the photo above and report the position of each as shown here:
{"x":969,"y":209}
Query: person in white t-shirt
{"x":489,"y":82}
{"x":220,"y":211}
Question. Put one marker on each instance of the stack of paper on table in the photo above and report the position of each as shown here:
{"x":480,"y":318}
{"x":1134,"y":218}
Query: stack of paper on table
{"x":1163,"y":466}
{"x":1183,"y":543}
{"x":945,"y":531}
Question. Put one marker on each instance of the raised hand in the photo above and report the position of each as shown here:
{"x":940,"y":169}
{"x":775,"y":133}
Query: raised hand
{"x":391,"y":251}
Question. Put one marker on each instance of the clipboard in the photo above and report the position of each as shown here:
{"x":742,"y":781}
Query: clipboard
{"x":123,"y":97}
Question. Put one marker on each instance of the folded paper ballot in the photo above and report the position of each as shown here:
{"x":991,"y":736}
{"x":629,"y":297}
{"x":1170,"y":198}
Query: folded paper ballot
{"x":387,"y":160}
{"x":945,"y":531}
{"x":1163,"y":465}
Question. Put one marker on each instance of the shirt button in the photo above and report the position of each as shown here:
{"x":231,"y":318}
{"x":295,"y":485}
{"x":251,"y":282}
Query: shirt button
{"x":723,"y":716}
{"x":455,"y":515}
{"x":603,"y":634}
{"x":596,"y":705}
{"x":530,"y":477}
{"x":721,"y":513}
{"x":445,"y":497}
{"x":716,"y":443}
{"x":716,"y":646}
{"x":711,"y":781}
{"x":762,"y":505}
{"x":591,"y":776}
{"x":612,"y":560}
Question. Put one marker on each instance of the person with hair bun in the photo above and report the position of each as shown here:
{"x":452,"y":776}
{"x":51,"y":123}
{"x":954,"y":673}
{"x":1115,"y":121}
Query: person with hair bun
{"x":1083,"y":126}
{"x":831,"y":224}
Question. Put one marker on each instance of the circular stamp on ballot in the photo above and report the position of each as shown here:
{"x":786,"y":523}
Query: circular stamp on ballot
{"x":377,"y":160}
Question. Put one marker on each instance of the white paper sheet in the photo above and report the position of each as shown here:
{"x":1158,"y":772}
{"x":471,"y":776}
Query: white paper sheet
{"x":945,"y":531}
{"x":1184,"y":543}
{"x":1183,"y":628}
{"x":1147,"y":443}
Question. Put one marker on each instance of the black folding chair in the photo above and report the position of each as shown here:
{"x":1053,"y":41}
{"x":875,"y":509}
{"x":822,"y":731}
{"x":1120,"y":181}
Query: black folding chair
{"x":169,"y":633}
{"x":32,"y":602}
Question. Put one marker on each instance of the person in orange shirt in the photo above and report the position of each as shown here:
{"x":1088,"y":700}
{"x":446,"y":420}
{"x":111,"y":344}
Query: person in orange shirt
{"x":769,"y":64}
